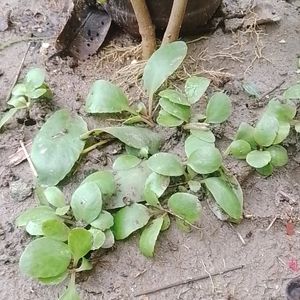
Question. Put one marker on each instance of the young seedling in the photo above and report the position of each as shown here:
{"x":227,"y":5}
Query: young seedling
{"x":24,"y":94}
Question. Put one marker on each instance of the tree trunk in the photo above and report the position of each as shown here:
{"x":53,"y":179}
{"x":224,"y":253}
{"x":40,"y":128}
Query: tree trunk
{"x":146,"y":27}
{"x":175,"y":21}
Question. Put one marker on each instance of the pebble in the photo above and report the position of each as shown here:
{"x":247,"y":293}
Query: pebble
{"x":20,"y":190}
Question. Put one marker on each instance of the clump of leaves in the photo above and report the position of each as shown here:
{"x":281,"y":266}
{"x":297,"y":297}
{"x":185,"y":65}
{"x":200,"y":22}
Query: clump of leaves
{"x":261,"y":145}
{"x":33,"y":88}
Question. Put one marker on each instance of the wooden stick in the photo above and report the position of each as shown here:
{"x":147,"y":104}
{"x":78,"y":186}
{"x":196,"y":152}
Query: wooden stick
{"x":29,"y":160}
{"x":146,"y":27}
{"x":175,"y":21}
{"x":186,"y":281}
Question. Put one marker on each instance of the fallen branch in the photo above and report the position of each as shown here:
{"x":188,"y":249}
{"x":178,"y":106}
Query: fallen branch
{"x":186,"y":281}
{"x":146,"y":27}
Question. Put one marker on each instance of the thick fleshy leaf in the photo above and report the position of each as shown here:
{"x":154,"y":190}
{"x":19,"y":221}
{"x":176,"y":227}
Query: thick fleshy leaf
{"x":194,"y":186}
{"x":36,"y":94}
{"x":292,"y":92}
{"x":186,"y":206}
{"x":174,"y":96}
{"x":157,"y":183}
{"x":195,"y":87}
{"x":70,"y":293}
{"x":205,"y":160}
{"x":167,"y":120}
{"x":6,"y":116}
{"x":266,"y":130}
{"x":86,"y":202}
{"x":166,"y":223}
{"x":239,"y":149}
{"x":179,"y":111}
{"x":279,"y":155}
{"x":125,"y":162}
{"x":19,"y":90}
{"x":85,"y":265}
{"x":258,"y":159}
{"x":136,"y":137}
{"x":129,"y":219}
{"x":246,"y":133}
{"x":109,"y":239}
{"x":282,"y":111}
{"x":166,"y":164}
{"x":224,"y":195}
{"x":54,"y":280}
{"x":104,"y":221}
{"x":57,"y":147}
{"x":80,"y":242}
{"x":192,"y":143}
{"x":151,"y":198}
{"x":149,"y":236}
{"x":218,"y":108}
{"x":106,"y":97}
{"x":61,"y":211}
{"x":163,"y":63}
{"x":55,"y":196}
{"x":266,"y":170}
{"x":98,"y":238}
{"x":33,"y":219}
{"x":35,"y":77}
{"x":105,"y":181}
{"x":283,"y":132}
{"x":130,"y":186}
{"x":204,"y":135}
{"x":251,"y":90}
{"x":55,"y":230}
{"x":45,"y":257}
{"x":18,"y":102}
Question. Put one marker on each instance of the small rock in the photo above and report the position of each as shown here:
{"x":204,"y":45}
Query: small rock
{"x":20,"y":190}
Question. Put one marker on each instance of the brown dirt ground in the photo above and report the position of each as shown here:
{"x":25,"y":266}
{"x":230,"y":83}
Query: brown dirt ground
{"x":122,"y":272}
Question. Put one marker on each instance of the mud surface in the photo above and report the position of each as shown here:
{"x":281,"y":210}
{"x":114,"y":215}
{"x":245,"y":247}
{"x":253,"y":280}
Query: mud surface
{"x":270,"y":256}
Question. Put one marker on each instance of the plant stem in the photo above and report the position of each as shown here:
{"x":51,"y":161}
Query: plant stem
{"x":175,"y":21}
{"x":150,"y":106}
{"x":146,"y":27}
{"x":87,"y":150}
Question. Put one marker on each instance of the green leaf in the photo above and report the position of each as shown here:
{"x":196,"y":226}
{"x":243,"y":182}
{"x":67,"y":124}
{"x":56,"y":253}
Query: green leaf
{"x":55,"y":230}
{"x":19,"y":90}
{"x":151,"y":198}
{"x":192,"y":143}
{"x":179,"y":111}
{"x":57,"y":147}
{"x":55,"y":196}
{"x":130,"y":186}
{"x":166,"y":164}
{"x":282,"y":111}
{"x":136,"y":137}
{"x":54,"y":280}
{"x":251,"y":90}
{"x":18,"y":102}
{"x":279,"y":155}
{"x":218,"y":108}
{"x":195,"y":87}
{"x":163,"y":63}
{"x":6,"y":116}
{"x":80,"y":242}
{"x":157,"y":183}
{"x":186,"y":206}
{"x":174,"y":96}
{"x":292,"y":92}
{"x":266,"y":170}
{"x":205,"y":160}
{"x":224,"y":196}
{"x":44,"y":258}
{"x":133,"y":120}
{"x":104,"y":221}
{"x":194,"y":186}
{"x":106,"y":97}
{"x":246,"y":133}
{"x":36,"y":94}
{"x":70,"y":293}
{"x":35,"y":77}
{"x":166,"y":223}
{"x":109,"y":239}
{"x":105,"y":181}
{"x":33,"y":219}
{"x":297,"y":126}
{"x":283,"y":132}
{"x":129,"y":219}
{"x":203,"y":135}
{"x":167,"y":120}
{"x":86,"y":202}
{"x":125,"y":162}
{"x":149,"y":236}
{"x":239,"y":149}
{"x":266,"y":130}
{"x":61,"y":211}
{"x":85,"y":265}
{"x":98,"y":238}
{"x":258,"y":159}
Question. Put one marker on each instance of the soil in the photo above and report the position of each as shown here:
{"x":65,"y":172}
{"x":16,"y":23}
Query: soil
{"x":270,"y":255}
